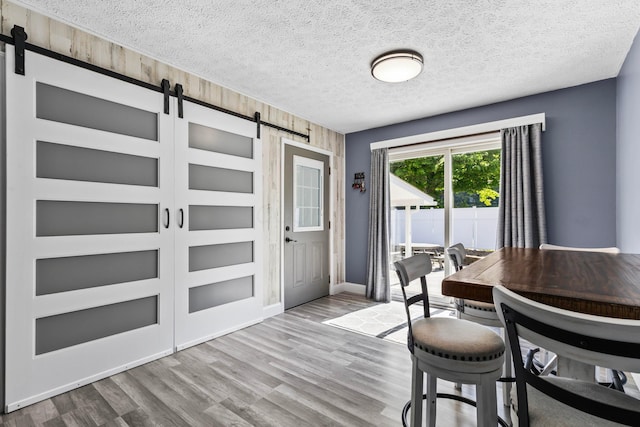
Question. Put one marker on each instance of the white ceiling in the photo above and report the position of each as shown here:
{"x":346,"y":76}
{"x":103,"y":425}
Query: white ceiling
{"x":312,"y":57}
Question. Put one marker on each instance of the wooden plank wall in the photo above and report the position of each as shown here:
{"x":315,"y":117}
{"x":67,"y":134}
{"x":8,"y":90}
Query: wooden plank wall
{"x":65,"y":39}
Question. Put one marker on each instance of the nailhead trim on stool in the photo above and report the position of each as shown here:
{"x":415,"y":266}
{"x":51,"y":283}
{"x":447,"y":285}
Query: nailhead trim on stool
{"x":472,"y":342}
{"x":481,"y":306}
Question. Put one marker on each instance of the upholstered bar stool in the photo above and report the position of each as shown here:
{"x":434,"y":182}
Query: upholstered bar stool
{"x":484,"y":314}
{"x":592,"y":340}
{"x":618,"y":378}
{"x":451,"y":349}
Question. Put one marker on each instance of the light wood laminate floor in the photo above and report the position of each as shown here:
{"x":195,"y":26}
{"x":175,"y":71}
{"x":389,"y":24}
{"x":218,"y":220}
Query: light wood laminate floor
{"x":289,"y":370}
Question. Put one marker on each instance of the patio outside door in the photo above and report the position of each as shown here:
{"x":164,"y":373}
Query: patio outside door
{"x":306,"y":225}
{"x":463,"y":179}
{"x":418,"y":221}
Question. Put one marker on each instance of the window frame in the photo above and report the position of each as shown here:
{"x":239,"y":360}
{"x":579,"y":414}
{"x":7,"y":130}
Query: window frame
{"x":314,"y":164}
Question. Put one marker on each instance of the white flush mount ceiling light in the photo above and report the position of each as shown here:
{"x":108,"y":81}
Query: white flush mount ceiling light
{"x":397,"y":66}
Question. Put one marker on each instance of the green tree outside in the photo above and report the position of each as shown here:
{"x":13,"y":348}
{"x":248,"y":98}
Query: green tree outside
{"x":476,"y":177}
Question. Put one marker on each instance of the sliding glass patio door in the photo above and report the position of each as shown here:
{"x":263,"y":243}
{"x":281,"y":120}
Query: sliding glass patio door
{"x":418,"y":221}
{"x":474,"y":213}
{"x":442,"y":194}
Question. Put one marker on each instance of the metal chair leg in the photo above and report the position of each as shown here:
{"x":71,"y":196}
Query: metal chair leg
{"x":416,"y":394}
{"x":507,"y":373}
{"x":432,"y":385}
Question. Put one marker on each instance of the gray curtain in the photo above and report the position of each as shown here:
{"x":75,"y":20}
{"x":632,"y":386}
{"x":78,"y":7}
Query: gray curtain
{"x":378,"y":288}
{"x":521,"y":220}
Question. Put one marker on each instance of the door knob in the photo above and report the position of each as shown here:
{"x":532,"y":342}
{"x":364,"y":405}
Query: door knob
{"x":289,"y":240}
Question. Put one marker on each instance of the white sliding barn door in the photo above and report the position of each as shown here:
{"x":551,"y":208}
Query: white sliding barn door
{"x":89,"y":247}
{"x":218,"y":238}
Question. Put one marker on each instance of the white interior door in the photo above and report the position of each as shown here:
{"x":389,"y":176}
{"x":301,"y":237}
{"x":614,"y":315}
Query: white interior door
{"x":218,"y":178}
{"x":89,"y":280}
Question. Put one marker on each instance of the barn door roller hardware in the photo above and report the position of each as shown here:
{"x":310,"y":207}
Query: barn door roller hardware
{"x":166,"y":89}
{"x":179,"y":95}
{"x":19,"y":40}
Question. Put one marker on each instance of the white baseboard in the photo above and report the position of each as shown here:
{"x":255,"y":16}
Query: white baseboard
{"x":354,"y":288}
{"x":278,"y":308}
{"x":272,"y":310}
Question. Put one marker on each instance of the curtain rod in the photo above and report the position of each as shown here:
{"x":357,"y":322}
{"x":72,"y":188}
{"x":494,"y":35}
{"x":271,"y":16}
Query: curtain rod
{"x":19,"y":42}
{"x":461,"y":131}
{"x":455,"y":142}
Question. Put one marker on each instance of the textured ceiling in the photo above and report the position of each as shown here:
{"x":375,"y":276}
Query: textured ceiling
{"x":312,"y":58}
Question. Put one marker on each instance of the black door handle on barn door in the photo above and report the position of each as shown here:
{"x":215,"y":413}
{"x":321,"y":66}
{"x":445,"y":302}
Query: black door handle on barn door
{"x":166,"y":224}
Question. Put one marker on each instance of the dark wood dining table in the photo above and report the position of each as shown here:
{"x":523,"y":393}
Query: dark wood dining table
{"x":596,"y":283}
{"x":601,"y":284}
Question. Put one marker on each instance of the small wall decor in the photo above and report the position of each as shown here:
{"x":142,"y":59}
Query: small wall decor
{"x":358,"y":182}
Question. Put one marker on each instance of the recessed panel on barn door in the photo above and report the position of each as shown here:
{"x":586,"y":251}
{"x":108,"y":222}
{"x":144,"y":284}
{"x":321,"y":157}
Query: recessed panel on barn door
{"x":89,"y":255}
{"x":218,"y":240}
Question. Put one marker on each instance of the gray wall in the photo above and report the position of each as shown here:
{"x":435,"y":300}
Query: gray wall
{"x":579,"y":155}
{"x":628,"y":195}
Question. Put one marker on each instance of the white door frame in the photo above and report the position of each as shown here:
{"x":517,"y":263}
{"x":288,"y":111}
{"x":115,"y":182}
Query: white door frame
{"x":285,"y":142}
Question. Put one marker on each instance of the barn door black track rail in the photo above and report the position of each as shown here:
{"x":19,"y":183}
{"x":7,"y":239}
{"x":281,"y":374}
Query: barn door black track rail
{"x":19,"y":40}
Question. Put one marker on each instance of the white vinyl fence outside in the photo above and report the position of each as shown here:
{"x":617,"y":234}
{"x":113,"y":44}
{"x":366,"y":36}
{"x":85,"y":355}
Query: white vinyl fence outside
{"x":473,"y":227}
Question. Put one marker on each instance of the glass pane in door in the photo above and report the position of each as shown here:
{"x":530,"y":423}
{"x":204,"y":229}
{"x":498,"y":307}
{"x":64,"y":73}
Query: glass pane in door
{"x":476,"y":180}
{"x":417,"y":220}
{"x":308,"y":192}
